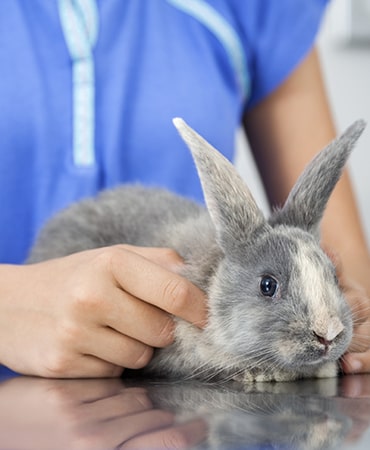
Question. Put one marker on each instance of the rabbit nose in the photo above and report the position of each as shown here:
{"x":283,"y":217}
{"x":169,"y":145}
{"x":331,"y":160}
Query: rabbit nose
{"x":323,"y":340}
{"x":327,"y":331}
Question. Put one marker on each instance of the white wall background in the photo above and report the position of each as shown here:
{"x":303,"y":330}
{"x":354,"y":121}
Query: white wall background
{"x":346,"y":65}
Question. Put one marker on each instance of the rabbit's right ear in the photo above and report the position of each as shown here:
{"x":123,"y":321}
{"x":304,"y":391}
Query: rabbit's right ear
{"x":231,"y":206}
{"x":307,"y":201}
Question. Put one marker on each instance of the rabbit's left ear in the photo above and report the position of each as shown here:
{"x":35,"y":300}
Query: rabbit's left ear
{"x":231,"y":206}
{"x":307,"y":201}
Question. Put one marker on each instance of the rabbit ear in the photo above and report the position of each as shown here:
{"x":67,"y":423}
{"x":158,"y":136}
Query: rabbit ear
{"x":306,"y":202}
{"x":231,"y":206}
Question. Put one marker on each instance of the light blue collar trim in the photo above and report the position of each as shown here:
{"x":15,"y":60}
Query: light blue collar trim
{"x":80,"y":24}
{"x":224,"y":32}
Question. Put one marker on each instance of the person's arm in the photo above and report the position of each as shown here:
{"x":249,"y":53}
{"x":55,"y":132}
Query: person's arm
{"x":93,"y":313}
{"x":285,"y":131}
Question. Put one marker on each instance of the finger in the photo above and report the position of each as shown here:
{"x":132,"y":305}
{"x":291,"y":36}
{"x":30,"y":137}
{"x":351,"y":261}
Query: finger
{"x":165,"y":257}
{"x":356,"y":363}
{"x":93,"y":413}
{"x":181,"y":436}
{"x":112,"y":433}
{"x":83,"y":391}
{"x":117,"y":349}
{"x":139,"y":320}
{"x":154,"y":284}
{"x":80,"y":366}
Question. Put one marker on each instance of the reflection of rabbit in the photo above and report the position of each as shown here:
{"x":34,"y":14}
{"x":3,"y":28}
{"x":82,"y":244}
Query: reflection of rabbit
{"x":275,"y":309}
{"x":257,"y":419}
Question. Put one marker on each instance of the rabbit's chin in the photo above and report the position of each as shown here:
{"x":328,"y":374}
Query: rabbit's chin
{"x":327,"y":370}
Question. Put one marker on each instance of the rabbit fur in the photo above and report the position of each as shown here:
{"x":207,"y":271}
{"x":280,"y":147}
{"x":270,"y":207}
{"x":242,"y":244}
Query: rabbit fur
{"x":276,"y":311}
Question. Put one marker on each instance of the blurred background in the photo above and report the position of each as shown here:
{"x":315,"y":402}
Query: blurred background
{"x":344,"y":45}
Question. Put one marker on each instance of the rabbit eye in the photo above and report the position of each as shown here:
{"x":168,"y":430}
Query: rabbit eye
{"x":268,"y":286}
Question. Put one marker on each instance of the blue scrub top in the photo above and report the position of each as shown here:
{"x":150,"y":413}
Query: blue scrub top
{"x":205,"y":61}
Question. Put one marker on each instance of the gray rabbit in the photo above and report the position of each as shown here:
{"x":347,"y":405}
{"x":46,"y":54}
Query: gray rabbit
{"x":276,"y":311}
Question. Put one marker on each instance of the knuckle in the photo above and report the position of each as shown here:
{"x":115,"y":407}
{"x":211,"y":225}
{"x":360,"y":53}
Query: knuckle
{"x":171,"y":254}
{"x":116,"y":257}
{"x":68,"y":334}
{"x":59,"y":362}
{"x":176,"y":294}
{"x":107,"y":257}
{"x":57,"y":365}
{"x":85,"y":299}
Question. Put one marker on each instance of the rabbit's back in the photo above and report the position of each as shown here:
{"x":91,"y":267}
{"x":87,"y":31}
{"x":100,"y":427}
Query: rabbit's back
{"x":128,"y":214}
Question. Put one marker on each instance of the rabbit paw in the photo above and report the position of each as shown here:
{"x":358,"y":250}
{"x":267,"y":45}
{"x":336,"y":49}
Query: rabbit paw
{"x":264,"y":376}
{"x":329,"y":370}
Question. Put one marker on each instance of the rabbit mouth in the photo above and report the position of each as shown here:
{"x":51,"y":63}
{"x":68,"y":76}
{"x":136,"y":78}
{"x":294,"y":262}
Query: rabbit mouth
{"x":311,"y":355}
{"x":319,"y":356}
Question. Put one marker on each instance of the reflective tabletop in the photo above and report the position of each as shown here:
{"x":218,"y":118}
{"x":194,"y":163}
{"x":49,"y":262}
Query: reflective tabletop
{"x":148,"y":414}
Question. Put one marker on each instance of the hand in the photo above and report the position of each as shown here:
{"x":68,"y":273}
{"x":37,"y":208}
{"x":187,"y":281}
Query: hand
{"x":93,"y":313}
{"x":88,"y":414}
{"x":357,"y":360}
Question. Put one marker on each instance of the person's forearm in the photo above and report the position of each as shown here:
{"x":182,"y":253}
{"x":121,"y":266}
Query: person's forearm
{"x":343,"y":234}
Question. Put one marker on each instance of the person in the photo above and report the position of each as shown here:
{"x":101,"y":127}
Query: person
{"x":88,"y":90}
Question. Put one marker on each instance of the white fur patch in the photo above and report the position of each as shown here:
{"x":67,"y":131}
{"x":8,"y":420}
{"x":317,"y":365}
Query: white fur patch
{"x":329,"y":370}
{"x":335,"y":327}
{"x":321,"y":296}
